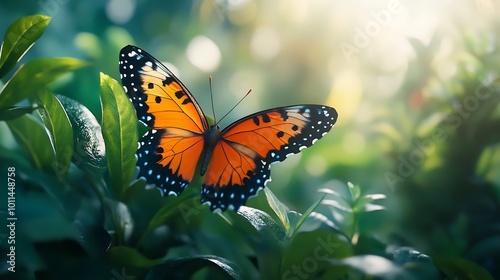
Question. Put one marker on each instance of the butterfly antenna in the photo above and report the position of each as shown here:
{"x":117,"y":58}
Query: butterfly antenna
{"x":212,"y":98}
{"x":250,"y":90}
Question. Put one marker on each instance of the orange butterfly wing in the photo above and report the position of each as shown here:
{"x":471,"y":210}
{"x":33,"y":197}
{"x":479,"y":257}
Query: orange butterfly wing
{"x":169,"y":152}
{"x":240,"y":164}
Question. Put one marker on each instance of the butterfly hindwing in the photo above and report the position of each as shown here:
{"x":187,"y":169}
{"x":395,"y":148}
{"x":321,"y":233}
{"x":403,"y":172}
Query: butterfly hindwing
{"x":240,"y":164}
{"x":170,"y":170}
{"x":168,"y":153}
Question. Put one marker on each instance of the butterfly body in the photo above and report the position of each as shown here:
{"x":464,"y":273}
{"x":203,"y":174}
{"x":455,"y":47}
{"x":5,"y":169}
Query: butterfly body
{"x":212,"y":137}
{"x":235,"y":161}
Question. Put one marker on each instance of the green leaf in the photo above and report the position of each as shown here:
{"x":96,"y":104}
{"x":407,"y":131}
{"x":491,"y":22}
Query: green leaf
{"x":33,"y":77}
{"x":19,"y":37}
{"x":339,"y":204}
{"x":294,"y":218}
{"x":313,"y":249}
{"x":89,"y":152}
{"x":126,"y":256}
{"x":119,"y":129}
{"x":15,"y":112}
{"x":184,"y":268}
{"x":34,"y":140}
{"x":60,"y":131}
{"x":375,"y":266}
{"x":370,"y":207}
{"x":307,"y":213}
{"x":318,"y":221}
{"x":364,"y":204}
{"x":457,"y":268}
{"x":329,"y":191}
{"x":279,"y":208}
{"x":354,"y":190}
{"x":405,"y":255}
{"x":122,"y":220}
{"x":173,"y":207}
{"x":262,"y":222}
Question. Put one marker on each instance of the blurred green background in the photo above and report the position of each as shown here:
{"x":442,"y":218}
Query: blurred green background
{"x":415,"y":85}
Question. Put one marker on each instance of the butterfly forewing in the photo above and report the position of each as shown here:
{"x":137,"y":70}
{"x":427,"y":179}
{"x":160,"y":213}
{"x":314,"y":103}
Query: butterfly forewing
{"x":168,"y":154}
{"x":157,"y":93}
{"x":240,"y":164}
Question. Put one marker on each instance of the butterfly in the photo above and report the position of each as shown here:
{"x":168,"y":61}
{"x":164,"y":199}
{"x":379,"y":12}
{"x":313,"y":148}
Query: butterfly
{"x":235,"y":161}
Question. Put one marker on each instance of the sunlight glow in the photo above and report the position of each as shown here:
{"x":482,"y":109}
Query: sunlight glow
{"x":346,"y":94}
{"x":265,"y":43}
{"x":316,"y":165}
{"x":294,"y":10}
{"x":203,"y":53}
{"x":354,"y":143}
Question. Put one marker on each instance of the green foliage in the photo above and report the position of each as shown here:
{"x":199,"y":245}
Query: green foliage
{"x":184,"y":268}
{"x":59,"y":127}
{"x":25,"y":129}
{"x":457,"y":268}
{"x":83,"y":214}
{"x":352,"y":207}
{"x":19,"y":38}
{"x":33,"y":76}
{"x":89,"y":153}
{"x":119,"y":130}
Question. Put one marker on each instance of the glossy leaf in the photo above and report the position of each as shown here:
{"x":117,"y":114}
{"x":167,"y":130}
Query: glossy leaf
{"x":262,"y":222}
{"x":60,"y":131}
{"x":375,"y":266}
{"x":184,"y":268}
{"x":19,"y":37}
{"x":408,"y":255}
{"x":34,"y":140}
{"x":119,"y":129}
{"x":329,"y":191}
{"x":33,"y":77}
{"x":279,"y":208}
{"x":294,"y":218}
{"x":364,"y":204}
{"x":88,"y":142}
{"x":370,"y":207}
{"x":339,"y":204}
{"x":307,"y":213}
{"x":122,"y":220}
{"x":315,"y":221}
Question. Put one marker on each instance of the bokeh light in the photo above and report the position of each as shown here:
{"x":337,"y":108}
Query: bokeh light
{"x":120,"y":11}
{"x":203,"y":53}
